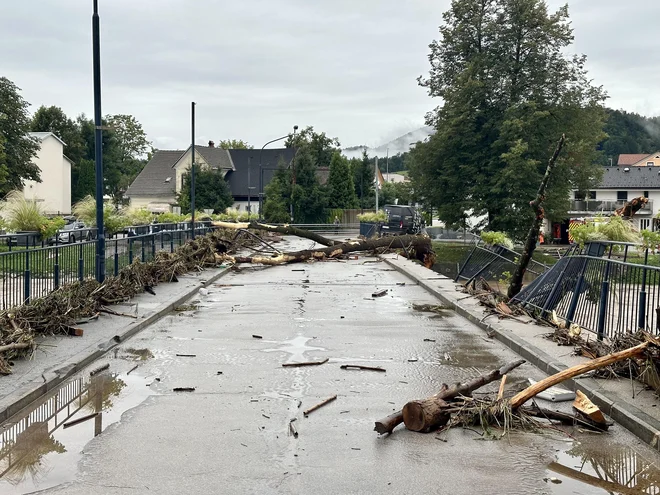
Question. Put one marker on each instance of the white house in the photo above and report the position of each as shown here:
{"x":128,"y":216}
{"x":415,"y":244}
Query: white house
{"x":54,"y":190}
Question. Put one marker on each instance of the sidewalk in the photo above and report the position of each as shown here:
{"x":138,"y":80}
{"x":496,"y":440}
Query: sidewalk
{"x":58,"y":358}
{"x":636,"y":409}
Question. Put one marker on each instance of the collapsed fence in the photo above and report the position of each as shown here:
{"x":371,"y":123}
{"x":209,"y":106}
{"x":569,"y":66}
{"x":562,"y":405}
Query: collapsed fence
{"x":494,"y":263}
{"x":608,"y":295}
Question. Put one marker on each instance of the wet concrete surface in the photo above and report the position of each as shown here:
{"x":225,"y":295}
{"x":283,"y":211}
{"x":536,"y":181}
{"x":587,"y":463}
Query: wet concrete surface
{"x":231,"y":435}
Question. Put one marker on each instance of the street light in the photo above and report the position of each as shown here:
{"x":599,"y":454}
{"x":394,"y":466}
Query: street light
{"x":98,"y":144}
{"x":249,"y":205}
{"x":192,"y":171}
{"x":261,"y":172}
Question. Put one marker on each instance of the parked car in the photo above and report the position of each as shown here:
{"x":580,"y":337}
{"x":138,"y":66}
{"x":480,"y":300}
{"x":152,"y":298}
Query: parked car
{"x":73,"y":231}
{"x":402,"y":219}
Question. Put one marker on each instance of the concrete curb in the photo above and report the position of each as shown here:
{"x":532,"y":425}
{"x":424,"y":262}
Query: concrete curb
{"x":627,"y":415}
{"x":25,"y":395}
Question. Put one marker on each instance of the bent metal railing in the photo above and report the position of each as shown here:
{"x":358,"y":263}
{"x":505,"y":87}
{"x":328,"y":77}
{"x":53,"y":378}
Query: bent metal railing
{"x":606,"y":287}
{"x":494,"y":263}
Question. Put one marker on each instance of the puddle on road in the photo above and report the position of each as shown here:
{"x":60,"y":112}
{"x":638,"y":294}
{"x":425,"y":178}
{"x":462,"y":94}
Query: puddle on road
{"x":438,"y":310}
{"x":134,"y":354}
{"x":38,"y":450}
{"x":297,"y":347}
{"x":597,"y":466}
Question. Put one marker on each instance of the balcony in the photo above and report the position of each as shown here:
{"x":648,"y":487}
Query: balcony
{"x":606,"y":207}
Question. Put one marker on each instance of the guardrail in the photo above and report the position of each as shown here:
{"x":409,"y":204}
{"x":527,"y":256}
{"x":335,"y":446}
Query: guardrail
{"x":617,"y":293}
{"x":31,"y":273}
{"x":600,"y":206}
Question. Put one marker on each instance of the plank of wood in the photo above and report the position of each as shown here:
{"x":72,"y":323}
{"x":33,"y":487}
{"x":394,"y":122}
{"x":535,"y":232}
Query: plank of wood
{"x":588,"y":408}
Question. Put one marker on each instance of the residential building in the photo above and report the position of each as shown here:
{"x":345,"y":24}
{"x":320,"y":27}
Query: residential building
{"x":618,"y":185}
{"x":54,"y":190}
{"x":639,"y":160}
{"x":157,"y":186}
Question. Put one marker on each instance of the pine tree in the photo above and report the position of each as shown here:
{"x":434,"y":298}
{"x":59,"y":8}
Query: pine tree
{"x":341,"y":188}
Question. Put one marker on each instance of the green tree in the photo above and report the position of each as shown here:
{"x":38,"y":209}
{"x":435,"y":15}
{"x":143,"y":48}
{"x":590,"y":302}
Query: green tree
{"x":53,"y":119}
{"x":364,"y":179}
{"x":341,"y":188}
{"x":278,"y":195}
{"x":19,"y":148}
{"x":86,"y":181}
{"x":308,"y":198}
{"x":211,"y":192}
{"x":320,"y":146}
{"x":509,"y":91}
{"x":234,"y":144}
{"x":131,"y":140}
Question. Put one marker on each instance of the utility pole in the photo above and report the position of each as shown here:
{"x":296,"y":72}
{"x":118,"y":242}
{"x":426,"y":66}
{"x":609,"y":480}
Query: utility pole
{"x":293,"y":167}
{"x":387,"y":166}
{"x":377,"y":182}
{"x":98,"y":144}
{"x":192,"y":172}
{"x":249,"y":188}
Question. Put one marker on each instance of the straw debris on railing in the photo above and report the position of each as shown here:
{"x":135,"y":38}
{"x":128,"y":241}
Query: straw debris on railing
{"x":56,"y":312}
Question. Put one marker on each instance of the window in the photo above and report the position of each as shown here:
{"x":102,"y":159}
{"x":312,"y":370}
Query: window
{"x":645,"y":223}
{"x":646,"y":194}
{"x":650,"y":164}
{"x":592,"y":194}
{"x":622,"y":195}
{"x":578,"y":196}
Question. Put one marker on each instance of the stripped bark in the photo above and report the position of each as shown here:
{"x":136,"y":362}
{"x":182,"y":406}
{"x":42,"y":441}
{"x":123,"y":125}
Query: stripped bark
{"x":280,"y":229}
{"x":535,"y":229}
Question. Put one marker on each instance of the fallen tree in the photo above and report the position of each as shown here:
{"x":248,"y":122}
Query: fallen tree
{"x":455,"y":406}
{"x":415,"y":246}
{"x":280,"y":229}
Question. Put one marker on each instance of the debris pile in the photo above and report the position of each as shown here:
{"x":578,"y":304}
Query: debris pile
{"x":455,"y":406}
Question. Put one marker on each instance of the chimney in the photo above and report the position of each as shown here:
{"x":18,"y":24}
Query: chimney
{"x":211,"y":144}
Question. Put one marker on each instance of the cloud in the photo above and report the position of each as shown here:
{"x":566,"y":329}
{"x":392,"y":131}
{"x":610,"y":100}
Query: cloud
{"x":258,"y":67}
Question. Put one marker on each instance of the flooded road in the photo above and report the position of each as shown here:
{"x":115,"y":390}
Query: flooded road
{"x":232,"y":435}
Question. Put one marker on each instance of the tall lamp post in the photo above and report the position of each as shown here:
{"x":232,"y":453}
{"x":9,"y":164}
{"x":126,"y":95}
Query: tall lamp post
{"x":98,"y":144}
{"x":192,"y":171}
{"x":261,"y":172}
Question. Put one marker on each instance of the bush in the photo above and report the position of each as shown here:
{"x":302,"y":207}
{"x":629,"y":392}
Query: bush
{"x":170,"y":217}
{"x":497,"y":239}
{"x":373,"y":217}
{"x":139,"y":216}
{"x":233,"y":215}
{"x":113,"y":221}
{"x":337,"y":212}
{"x":613,"y":229}
{"x":23,"y":214}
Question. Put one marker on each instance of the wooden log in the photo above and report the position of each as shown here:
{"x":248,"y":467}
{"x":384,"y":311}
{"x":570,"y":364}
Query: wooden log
{"x":520,"y":398}
{"x":418,"y":245}
{"x":564,"y":418}
{"x":387,"y":425}
{"x":421,"y":416}
{"x":281,"y":229}
{"x":500,"y":392}
{"x":14,"y":346}
{"x":426,"y":414}
{"x":588,"y":408}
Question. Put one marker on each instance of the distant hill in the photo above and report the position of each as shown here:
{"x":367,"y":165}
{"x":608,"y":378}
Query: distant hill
{"x":398,"y":145}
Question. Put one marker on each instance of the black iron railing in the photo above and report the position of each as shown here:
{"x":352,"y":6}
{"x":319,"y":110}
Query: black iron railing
{"x":605,"y":287}
{"x":33,"y":272}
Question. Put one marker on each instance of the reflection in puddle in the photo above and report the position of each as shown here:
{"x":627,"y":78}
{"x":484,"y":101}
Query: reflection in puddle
{"x":598,"y":467}
{"x":297,"y":347}
{"x":41,"y":449}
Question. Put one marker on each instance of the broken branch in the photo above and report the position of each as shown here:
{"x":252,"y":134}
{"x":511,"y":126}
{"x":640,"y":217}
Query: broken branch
{"x":319,"y":405}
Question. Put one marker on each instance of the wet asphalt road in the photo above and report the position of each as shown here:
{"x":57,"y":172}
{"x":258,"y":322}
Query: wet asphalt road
{"x":231,"y":434}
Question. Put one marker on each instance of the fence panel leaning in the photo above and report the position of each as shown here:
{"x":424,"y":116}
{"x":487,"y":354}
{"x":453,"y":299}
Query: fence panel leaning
{"x":607,"y":291}
{"x":495,"y":263}
{"x":33,"y":272}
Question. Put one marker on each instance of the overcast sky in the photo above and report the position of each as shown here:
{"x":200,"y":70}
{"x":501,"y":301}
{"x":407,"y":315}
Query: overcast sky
{"x":257,"y":67}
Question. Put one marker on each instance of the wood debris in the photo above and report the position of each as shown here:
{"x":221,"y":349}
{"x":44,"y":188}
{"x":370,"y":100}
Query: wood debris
{"x":305,"y":363}
{"x":359,"y":367}
{"x":319,"y":405}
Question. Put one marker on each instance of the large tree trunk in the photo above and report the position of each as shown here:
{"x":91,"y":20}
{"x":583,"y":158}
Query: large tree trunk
{"x":417,"y":409}
{"x":280,"y":229}
{"x":535,"y":229}
{"x":416,"y":246}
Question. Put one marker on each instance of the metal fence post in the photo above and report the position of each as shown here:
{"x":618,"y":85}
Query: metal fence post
{"x":56,"y":266}
{"x":153,"y":246}
{"x":130,"y":251}
{"x":116,"y":257}
{"x":476,"y":244}
{"x":576,"y":295}
{"x":81,"y":264}
{"x":26,"y":277}
{"x":142,"y":248}
{"x":641,"y":321}
{"x":602,"y":310}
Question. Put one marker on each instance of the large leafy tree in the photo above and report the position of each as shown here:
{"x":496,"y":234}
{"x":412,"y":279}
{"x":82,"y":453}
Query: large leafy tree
{"x":131,"y":140}
{"x":341,"y":188}
{"x":211,"y":192}
{"x":509,"y":91}
{"x":53,"y":119}
{"x":234,"y":144}
{"x":16,"y":164}
{"x":364,"y":179}
{"x":320,"y":146}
